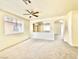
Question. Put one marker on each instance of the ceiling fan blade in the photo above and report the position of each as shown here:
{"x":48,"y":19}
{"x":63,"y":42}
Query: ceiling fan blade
{"x":26,"y":14}
{"x":28,"y":11}
{"x":35,"y":12}
{"x":25,"y":1}
{"x":35,"y":15}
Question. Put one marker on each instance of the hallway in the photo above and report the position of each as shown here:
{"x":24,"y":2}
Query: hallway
{"x":40,"y":49}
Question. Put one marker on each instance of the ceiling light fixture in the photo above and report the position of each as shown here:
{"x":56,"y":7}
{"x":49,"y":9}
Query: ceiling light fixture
{"x":31,"y":13}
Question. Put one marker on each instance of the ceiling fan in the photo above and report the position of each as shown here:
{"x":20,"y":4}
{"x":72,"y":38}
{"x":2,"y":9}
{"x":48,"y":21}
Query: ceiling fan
{"x":26,"y":1}
{"x":32,"y":13}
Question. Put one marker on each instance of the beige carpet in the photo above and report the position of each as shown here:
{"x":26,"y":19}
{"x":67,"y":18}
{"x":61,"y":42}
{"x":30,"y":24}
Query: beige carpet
{"x":40,"y":49}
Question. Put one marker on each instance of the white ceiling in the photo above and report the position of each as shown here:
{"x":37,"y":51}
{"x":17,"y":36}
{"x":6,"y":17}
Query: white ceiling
{"x":47,"y":8}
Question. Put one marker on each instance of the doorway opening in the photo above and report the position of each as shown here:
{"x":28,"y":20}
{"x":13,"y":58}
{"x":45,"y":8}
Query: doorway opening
{"x":59,"y":29}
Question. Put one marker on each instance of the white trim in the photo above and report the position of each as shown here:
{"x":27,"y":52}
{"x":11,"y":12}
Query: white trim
{"x":62,"y":30}
{"x":70,"y":29}
{"x":78,"y":28}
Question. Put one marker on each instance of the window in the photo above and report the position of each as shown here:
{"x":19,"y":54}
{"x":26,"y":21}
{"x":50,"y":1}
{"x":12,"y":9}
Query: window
{"x":46,"y":27}
{"x":12,"y":25}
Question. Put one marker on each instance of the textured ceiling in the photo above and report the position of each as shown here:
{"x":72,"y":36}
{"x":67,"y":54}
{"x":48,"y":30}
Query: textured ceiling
{"x":47,"y":8}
